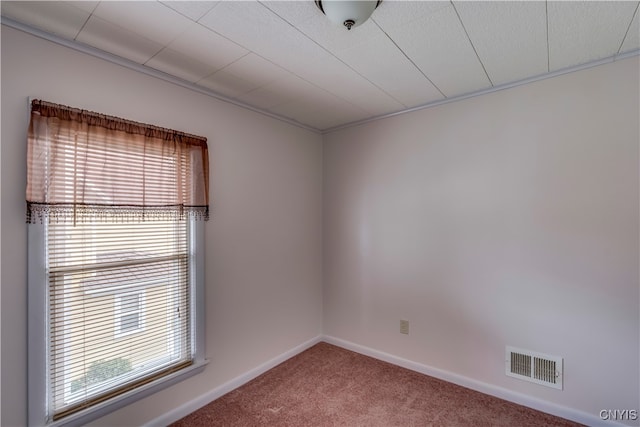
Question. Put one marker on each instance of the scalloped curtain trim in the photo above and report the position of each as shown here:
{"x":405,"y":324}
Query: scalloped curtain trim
{"x":44,"y":212}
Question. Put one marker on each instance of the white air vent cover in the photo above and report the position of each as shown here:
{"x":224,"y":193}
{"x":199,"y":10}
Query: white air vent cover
{"x":535,"y":367}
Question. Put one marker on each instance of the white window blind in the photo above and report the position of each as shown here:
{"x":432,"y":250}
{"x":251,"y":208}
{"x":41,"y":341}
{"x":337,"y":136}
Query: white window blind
{"x":119,"y":297}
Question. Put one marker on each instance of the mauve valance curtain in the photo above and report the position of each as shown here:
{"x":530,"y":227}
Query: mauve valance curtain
{"x":88,"y":166}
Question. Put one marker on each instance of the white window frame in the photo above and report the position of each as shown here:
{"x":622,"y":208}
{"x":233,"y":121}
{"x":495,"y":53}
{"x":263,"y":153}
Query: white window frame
{"x":38,"y":337}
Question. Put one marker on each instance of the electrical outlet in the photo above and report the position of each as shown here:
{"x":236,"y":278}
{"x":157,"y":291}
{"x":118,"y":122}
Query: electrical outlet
{"x":404,"y":327}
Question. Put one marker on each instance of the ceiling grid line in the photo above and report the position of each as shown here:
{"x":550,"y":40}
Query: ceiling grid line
{"x":330,"y":53}
{"x":164,"y":3}
{"x":229,"y":64}
{"x":84,"y":24}
{"x":410,"y":60}
{"x":177,"y":36}
{"x":323,"y":48}
{"x":82,"y":27}
{"x":251,"y":51}
{"x":154,"y":55}
{"x":471,"y":42}
{"x":546,"y":20}
{"x":635,"y":12}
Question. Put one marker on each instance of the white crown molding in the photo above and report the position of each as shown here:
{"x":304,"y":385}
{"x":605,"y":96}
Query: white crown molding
{"x":509,"y":85}
{"x":188,"y":85}
{"x":89,"y":50}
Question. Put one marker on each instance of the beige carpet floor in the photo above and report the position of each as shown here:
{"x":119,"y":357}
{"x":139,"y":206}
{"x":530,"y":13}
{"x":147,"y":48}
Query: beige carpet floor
{"x":330,"y":386}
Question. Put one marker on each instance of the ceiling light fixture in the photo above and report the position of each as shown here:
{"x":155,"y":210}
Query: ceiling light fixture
{"x":348,"y":13}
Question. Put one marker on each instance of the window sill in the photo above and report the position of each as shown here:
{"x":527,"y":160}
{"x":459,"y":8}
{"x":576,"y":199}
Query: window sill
{"x":102,"y":409}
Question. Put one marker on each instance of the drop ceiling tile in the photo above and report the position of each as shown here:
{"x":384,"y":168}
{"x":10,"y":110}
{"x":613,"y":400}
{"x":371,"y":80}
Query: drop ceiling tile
{"x":327,"y":100}
{"x":57,"y":18}
{"x":510,"y":37}
{"x":300,"y":110}
{"x":292,"y":87}
{"x":244,"y":75}
{"x":438,"y":45}
{"x":255,"y":69}
{"x":366,"y":97}
{"x":326,"y":120}
{"x":193,"y":10}
{"x":118,"y":41}
{"x":248,"y":23}
{"x":632,"y":40}
{"x":87,"y":6}
{"x":382,"y":63}
{"x":333,"y":106}
{"x":336,"y":115}
{"x":337,"y":38}
{"x":148,"y":19}
{"x":377,"y":103}
{"x":372,"y":101}
{"x":333,"y":76}
{"x":363,"y":89}
{"x":265,"y":97}
{"x":294,"y":12}
{"x":292,"y":50}
{"x":257,"y":28}
{"x":326,"y":115}
{"x":391,"y":14}
{"x":580,"y":32}
{"x":180,"y":65}
{"x":304,"y":94}
{"x":208,"y":47}
{"x":226,"y":83}
{"x":302,"y":106}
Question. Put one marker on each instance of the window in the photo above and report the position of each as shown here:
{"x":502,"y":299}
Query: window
{"x":115,"y":265}
{"x":129,"y":314}
{"x":116,"y":293}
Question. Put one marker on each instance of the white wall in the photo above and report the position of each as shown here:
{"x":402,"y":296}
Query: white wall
{"x":505,"y":219}
{"x":510,"y":218}
{"x":263,"y":258}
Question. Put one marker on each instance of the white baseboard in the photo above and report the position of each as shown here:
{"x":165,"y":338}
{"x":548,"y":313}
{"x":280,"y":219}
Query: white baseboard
{"x":492,"y":390}
{"x":200,"y":401}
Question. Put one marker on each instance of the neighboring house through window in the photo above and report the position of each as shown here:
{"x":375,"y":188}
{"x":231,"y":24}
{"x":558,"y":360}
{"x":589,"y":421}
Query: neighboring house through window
{"x":129,"y":313}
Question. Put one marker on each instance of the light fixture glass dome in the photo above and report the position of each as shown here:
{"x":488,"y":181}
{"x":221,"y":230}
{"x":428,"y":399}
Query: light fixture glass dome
{"x":346,"y":12}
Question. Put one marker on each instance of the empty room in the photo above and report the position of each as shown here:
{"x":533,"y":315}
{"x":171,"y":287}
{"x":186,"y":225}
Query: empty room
{"x":320,"y":213}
